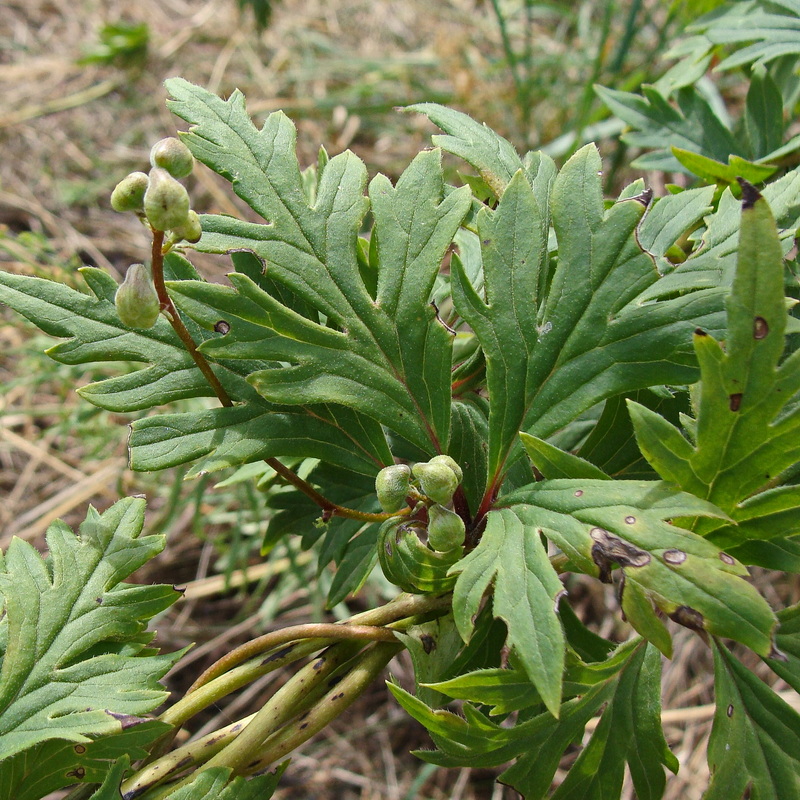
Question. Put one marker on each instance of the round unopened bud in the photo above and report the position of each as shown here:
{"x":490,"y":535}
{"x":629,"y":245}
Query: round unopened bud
{"x":190,"y":231}
{"x":166,"y":202}
{"x":136,"y":299}
{"x":172,"y":155}
{"x":437,"y":481}
{"x":391,"y":486}
{"x":450,"y":462}
{"x":445,"y":529}
{"x":128,"y":194}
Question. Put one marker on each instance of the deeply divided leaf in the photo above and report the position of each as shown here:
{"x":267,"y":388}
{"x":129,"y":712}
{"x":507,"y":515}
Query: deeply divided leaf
{"x":75,"y":663}
{"x":386,"y":356}
{"x":746,"y":434}
{"x":601,"y":524}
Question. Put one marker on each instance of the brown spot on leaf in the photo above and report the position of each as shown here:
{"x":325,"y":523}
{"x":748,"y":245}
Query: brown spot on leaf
{"x":700,"y":332}
{"x":222,"y":327}
{"x":579,"y":493}
{"x":750,"y":194}
{"x":729,"y":710}
{"x":387,"y":546}
{"x":630,"y":520}
{"x":724,"y":557}
{"x":674,"y":556}
{"x":126,"y":720}
{"x":609,"y":549}
{"x":735,"y":401}
{"x":78,"y":772}
{"x":688,"y":617}
{"x":760,"y":328}
{"x":428,"y":643}
{"x":79,"y":749}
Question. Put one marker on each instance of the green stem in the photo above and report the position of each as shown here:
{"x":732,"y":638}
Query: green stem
{"x":332,"y":705}
{"x":312,"y":630}
{"x":299,"y":693}
{"x":367,"y":625}
{"x":214,"y":690}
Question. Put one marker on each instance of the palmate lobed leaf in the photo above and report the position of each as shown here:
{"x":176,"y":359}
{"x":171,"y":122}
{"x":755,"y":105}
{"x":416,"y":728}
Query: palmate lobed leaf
{"x":657,"y":125}
{"x":629,"y":732}
{"x":216,"y":784}
{"x":599,"y":524}
{"x":746,"y":434}
{"x":713,"y":260}
{"x":526,"y":589}
{"x":357,"y":356}
{"x":556,"y":345}
{"x":38,"y":771}
{"x":768,"y":31}
{"x":248,"y":432}
{"x":75,"y":663}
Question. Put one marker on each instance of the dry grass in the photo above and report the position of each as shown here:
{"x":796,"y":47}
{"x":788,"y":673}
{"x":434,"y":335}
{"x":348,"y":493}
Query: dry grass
{"x":68,"y":133}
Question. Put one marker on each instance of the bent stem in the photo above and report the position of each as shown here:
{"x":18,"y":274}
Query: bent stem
{"x":367,"y":625}
{"x":265,"y":750}
{"x":299,"y":693}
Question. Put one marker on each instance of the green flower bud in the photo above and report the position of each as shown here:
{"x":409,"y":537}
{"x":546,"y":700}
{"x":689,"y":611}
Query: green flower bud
{"x":438,"y":481}
{"x":391,"y":486}
{"x":190,"y":231}
{"x":445,"y":529}
{"x":172,"y":155}
{"x":136,"y":299}
{"x":166,"y":202}
{"x":452,"y":463}
{"x":128,"y":194}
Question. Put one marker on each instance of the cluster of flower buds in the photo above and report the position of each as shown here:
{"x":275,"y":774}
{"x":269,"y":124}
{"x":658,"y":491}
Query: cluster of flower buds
{"x":159,"y":197}
{"x":437,"y":480}
{"x":162,"y":202}
{"x":417,"y":550}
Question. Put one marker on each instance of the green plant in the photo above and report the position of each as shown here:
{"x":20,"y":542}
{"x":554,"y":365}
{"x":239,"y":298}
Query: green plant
{"x":123,"y":43}
{"x":431,"y":341}
{"x":554,"y":53}
{"x":682,"y":121}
